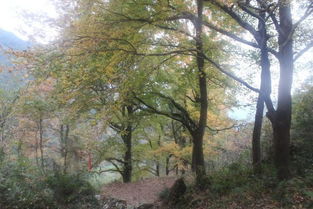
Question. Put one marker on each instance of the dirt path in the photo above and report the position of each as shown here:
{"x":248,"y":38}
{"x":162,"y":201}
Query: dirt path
{"x":137,"y":193}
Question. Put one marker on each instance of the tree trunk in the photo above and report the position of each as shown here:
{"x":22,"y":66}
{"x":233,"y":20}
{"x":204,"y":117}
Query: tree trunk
{"x":67,"y":129}
{"x":265,"y":89}
{"x":197,"y":153}
{"x":198,"y":157}
{"x":89,"y":161}
{"x":127,"y":138}
{"x":36,"y":149}
{"x":2,"y":126}
{"x":157,"y":163}
{"x":127,"y":172}
{"x":256,"y":136}
{"x":282,"y":122}
{"x":41,"y":143}
{"x":167,"y":164}
{"x":157,"y":169}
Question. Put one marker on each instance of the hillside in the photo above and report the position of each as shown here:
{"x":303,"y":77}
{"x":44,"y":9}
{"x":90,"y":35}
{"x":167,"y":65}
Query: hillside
{"x":10,"y":80}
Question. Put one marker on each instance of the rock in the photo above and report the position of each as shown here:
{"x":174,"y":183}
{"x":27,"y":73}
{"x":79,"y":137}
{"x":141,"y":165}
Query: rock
{"x":98,"y":197}
{"x":145,"y":206}
{"x":112,"y":203}
{"x":176,"y":191}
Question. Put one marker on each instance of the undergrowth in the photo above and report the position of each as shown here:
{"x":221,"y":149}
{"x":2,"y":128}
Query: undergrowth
{"x":237,"y":187}
{"x":23,"y":186}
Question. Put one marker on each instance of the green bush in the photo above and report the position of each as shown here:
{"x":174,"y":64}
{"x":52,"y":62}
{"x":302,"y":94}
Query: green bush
{"x":23,"y":186}
{"x":71,"y":189}
{"x":163,"y":195}
{"x":296,"y":191}
{"x":229,"y":178}
{"x":302,"y":135}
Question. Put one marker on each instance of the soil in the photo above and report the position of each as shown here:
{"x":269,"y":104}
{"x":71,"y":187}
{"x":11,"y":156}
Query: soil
{"x":140,"y":192}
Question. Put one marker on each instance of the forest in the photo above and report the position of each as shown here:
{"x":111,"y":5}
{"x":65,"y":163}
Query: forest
{"x":169,"y":104}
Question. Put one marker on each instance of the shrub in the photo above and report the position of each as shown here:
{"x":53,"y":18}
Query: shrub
{"x":23,"y":186}
{"x":71,"y":189}
{"x":163,"y":195}
{"x":296,"y":191}
{"x":302,"y":137}
{"x":229,"y":178}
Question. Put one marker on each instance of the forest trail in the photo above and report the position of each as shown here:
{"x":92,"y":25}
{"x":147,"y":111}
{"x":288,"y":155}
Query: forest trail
{"x":140,"y":192}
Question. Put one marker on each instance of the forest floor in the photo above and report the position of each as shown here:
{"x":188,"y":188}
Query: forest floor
{"x":140,"y":192}
{"x":227,"y":189}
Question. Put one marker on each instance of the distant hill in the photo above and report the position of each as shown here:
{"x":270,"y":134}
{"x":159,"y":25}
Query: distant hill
{"x":11,"y":80}
{"x":8,"y":39}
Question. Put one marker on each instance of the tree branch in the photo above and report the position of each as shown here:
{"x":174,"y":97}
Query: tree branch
{"x":303,"y":51}
{"x":237,"y":38}
{"x":306,"y":14}
{"x":151,"y":109}
{"x":116,"y":167}
{"x":107,"y":170}
{"x":222,"y":129}
{"x":110,"y":159}
{"x":230,"y":35}
{"x":182,"y":117}
{"x":246,"y":9}
{"x":235,"y":16}
{"x":116,"y":127}
{"x":234,"y":77}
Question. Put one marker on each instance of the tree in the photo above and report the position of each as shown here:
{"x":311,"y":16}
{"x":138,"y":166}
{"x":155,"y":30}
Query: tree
{"x":7,"y":103}
{"x":108,"y":38}
{"x":165,"y":18}
{"x":125,"y":127}
{"x":280,"y":14}
{"x":35,"y":106}
{"x":301,"y":149}
{"x":64,"y":141}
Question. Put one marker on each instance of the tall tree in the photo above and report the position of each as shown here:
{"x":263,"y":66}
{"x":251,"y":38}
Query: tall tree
{"x":279,"y":12}
{"x":164,"y":20}
{"x":105,"y":35}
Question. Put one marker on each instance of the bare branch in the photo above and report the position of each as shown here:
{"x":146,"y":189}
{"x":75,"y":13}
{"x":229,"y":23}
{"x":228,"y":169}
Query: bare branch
{"x":110,"y":159}
{"x":306,"y":14}
{"x":246,"y":8}
{"x":303,"y":51}
{"x":230,"y":35}
{"x":116,"y":127}
{"x":222,"y":129}
{"x":234,"y":77}
{"x":116,"y":166}
{"x":235,"y":16}
{"x":151,"y":109}
{"x":108,"y":170}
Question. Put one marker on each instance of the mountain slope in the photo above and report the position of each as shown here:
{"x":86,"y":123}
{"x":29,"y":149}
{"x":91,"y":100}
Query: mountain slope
{"x":10,"y":40}
{"x":10,"y":80}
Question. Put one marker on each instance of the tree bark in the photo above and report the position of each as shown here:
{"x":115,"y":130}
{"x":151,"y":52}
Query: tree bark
{"x":127,"y":139}
{"x":256,"y":136}
{"x":265,"y":88}
{"x":36,"y":149}
{"x":197,"y":153}
{"x":157,"y":163}
{"x":282,"y":120}
{"x":198,"y":157}
{"x":157,"y":169}
{"x":64,"y":140}
{"x":167,"y":162}
{"x":41,"y":142}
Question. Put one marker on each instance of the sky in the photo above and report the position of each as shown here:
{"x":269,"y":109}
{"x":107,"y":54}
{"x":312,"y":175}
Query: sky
{"x":11,"y":14}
